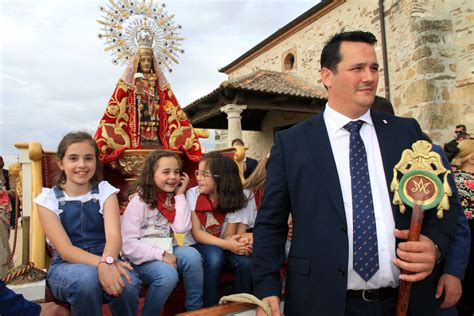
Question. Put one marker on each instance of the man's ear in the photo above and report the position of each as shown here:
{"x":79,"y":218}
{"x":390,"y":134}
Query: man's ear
{"x":326,"y":77}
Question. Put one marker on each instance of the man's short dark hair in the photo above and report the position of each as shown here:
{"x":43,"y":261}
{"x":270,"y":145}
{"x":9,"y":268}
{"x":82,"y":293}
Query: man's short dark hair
{"x":237,"y":140}
{"x":331,"y":56}
{"x":461,"y":126}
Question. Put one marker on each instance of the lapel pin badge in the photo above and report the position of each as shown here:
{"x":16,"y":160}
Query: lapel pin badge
{"x":385,"y":121}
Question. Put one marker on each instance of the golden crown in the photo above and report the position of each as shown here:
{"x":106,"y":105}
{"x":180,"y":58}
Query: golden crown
{"x":128,"y":26}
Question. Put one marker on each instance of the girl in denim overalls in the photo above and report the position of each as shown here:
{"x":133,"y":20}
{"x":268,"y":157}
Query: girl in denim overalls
{"x":81,"y":219}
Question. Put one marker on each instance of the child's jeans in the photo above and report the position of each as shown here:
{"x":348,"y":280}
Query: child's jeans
{"x":162,"y":279}
{"x":79,"y":285}
{"x":214,"y":260}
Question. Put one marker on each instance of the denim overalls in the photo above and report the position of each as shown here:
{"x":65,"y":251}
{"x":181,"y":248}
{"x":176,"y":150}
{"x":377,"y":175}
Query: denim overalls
{"x":78,"y":284}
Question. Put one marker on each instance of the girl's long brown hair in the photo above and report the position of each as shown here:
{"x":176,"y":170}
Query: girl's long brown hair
{"x":257,"y":179}
{"x":466,"y":149}
{"x":145,"y":184}
{"x":229,"y":190}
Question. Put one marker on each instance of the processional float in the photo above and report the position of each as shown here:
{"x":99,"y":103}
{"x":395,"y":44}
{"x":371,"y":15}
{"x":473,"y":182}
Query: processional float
{"x":142,"y":114}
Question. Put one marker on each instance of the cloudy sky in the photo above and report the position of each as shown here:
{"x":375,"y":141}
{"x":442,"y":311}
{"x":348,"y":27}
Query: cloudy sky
{"x":55,"y":76}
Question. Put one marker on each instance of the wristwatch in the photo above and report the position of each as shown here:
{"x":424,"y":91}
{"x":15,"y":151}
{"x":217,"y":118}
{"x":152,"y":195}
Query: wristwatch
{"x":109,"y":260}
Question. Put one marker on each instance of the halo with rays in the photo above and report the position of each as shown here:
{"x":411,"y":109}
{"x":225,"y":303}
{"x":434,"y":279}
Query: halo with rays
{"x":124,"y":20}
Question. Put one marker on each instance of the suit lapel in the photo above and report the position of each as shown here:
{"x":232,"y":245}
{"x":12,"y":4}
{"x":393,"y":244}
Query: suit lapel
{"x":322,"y":153}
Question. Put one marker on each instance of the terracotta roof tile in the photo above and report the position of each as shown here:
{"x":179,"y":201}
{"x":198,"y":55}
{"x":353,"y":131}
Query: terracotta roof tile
{"x":269,"y":82}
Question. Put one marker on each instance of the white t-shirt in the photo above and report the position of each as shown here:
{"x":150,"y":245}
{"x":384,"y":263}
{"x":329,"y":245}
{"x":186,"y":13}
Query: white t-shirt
{"x":245,"y":215}
{"x":250,"y":211}
{"x":47,"y":198}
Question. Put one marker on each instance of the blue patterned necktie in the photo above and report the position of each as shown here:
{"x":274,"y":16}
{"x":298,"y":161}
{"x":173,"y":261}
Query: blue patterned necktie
{"x":365,"y":252}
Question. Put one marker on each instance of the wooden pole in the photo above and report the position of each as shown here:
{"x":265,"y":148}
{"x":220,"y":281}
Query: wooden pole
{"x":413,"y":235}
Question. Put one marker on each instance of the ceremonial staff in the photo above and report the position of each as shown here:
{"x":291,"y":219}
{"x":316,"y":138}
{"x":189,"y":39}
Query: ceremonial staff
{"x":420,"y":188}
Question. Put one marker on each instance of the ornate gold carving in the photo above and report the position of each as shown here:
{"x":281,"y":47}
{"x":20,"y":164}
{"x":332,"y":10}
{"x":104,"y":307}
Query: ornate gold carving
{"x":421,"y":159}
{"x":118,"y":111}
{"x":130,"y":162}
{"x":177,"y":130}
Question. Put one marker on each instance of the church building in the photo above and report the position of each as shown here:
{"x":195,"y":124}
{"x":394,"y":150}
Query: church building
{"x":425,"y":51}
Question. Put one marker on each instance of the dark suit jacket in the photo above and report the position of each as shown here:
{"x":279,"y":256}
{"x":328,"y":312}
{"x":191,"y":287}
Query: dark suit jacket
{"x":451,"y":149}
{"x":302,"y":177}
{"x":250,"y":165}
{"x":14,"y":304}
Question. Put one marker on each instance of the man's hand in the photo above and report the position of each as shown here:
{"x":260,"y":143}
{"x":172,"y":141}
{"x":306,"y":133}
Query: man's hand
{"x":452,"y":288}
{"x":417,"y":257}
{"x":274,"y":302}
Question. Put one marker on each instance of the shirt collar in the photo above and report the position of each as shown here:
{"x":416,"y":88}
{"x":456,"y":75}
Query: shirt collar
{"x":335,"y":121}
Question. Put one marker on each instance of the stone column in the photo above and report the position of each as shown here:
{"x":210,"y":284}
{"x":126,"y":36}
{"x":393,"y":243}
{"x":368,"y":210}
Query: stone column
{"x":234,"y":125}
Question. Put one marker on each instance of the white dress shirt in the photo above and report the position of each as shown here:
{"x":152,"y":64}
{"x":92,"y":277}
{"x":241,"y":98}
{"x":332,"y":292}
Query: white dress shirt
{"x":388,"y":273}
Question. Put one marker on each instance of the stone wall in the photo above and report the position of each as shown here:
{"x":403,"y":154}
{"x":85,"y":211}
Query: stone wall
{"x":260,"y":143}
{"x":253,"y":140}
{"x":431,"y":63}
{"x":430,"y":57}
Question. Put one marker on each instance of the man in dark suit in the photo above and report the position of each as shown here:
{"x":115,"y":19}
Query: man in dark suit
{"x":451,"y":148}
{"x":310,"y":174}
{"x":15,"y":304}
{"x":250,"y":163}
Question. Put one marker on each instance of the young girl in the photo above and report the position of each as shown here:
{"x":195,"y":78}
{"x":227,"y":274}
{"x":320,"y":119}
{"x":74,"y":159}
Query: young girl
{"x":158,"y":208}
{"x":255,"y":184}
{"x":218,"y":205}
{"x":80,"y":217}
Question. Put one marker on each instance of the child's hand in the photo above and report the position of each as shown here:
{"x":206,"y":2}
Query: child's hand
{"x":247,"y":238}
{"x":183,"y":184}
{"x":110,"y":279}
{"x":248,"y":249}
{"x":234,"y":245}
{"x":123,"y":268}
{"x":290,"y":229}
{"x":169,"y":259}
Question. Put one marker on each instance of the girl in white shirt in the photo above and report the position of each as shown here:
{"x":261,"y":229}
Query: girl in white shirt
{"x":218,"y":205}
